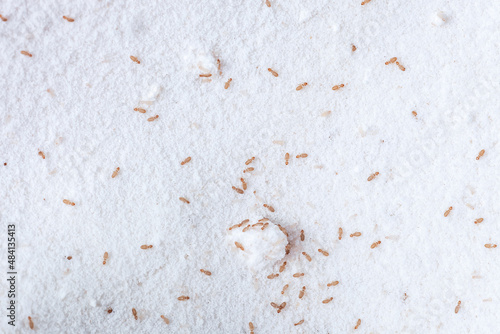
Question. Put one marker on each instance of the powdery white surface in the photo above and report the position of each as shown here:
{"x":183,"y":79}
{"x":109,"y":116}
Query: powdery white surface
{"x":86,"y":127}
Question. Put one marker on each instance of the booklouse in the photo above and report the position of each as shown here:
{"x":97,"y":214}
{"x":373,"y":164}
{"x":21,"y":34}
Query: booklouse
{"x":238,"y":190}
{"x":365,"y":2}
{"x":414,"y":113}
{"x":69,"y":257}
{"x":141,"y":110}
{"x":357,"y":324}
{"x":150,"y":119}
{"x":219,"y":67}
{"x":355,"y":234}
{"x":334,"y":283}
{"x":246,"y":228}
{"x":69,"y":19}
{"x":302,"y":155}
{"x":287,"y":157}
{"x":340,"y":233}
{"x":272,"y":72}
{"x":481,"y":153}
{"x":302,"y":85}
{"x":226,"y":85}
{"x":134,"y":312}
{"x":3,"y":18}
{"x":490,"y":245}
{"x":283,"y":230}
{"x":302,"y":237}
{"x":183,"y":298}
{"x":270,"y":208}
{"x":40,"y":153}
{"x":284,"y":289}
{"x":282,"y":306}
{"x":268,"y":3}
{"x":185,"y":161}
{"x":337,"y":87}
{"x":308,"y":257}
{"x":249,"y":161}
{"x":243,"y":183}
{"x":105,"y":258}
{"x":371,"y":177}
{"x":264,"y":226}
{"x":282,"y":267}
{"x":392,"y":60}
{"x":287,"y":248}
{"x":165,"y":319}
{"x":239,"y":245}
{"x":26,"y":53}
{"x":447,"y":212}
{"x":146,"y":246}
{"x":258,"y":224}
{"x":401,"y":67}
{"x":205,"y":75}
{"x":375,"y":244}
{"x":325,"y":253}
{"x":206,"y":272}
{"x":251,"y":326}
{"x":249,"y":169}
{"x":184,"y":200}
{"x":478,"y":221}
{"x":299,"y":323}
{"x":68,"y":202}
{"x":457,"y":308}
{"x":326,"y":301}
{"x":30,"y":322}
{"x":301,"y":293}
{"x":115,"y":172}
{"x":273,"y":304}
{"x":298,"y":274}
{"x":109,"y":310}
{"x":135,"y":60}
{"x":273,"y":276}
{"x":353,"y":47}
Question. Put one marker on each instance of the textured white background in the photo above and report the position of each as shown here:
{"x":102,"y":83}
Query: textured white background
{"x":88,"y":128}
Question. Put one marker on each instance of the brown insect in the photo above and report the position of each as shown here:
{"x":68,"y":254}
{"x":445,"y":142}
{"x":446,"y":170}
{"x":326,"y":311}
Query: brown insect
{"x":151,"y":119}
{"x":282,"y":306}
{"x":243,"y":183}
{"x":246,"y":228}
{"x":251,"y":326}
{"x":457,"y":308}
{"x":185,"y":161}
{"x":265,"y":226}
{"x":270,"y":70}
{"x":105,"y":258}
{"x":249,"y":169}
{"x":490,"y":245}
{"x":3,"y":18}
{"x":298,"y":274}
{"x":40,"y":153}
{"x":282,"y":267}
{"x":134,"y":312}
{"x":478,"y":221}
{"x":264,"y":220}
{"x":109,"y":310}
{"x":26,"y":53}
{"x":355,"y":234}
{"x":274,"y":305}
{"x":365,"y":2}
{"x":135,"y":60}
{"x":299,"y":323}
{"x":69,"y":19}
{"x":146,"y":246}
{"x":184,"y":200}
{"x":270,"y":208}
{"x":69,"y":257}
{"x":302,"y":237}
{"x":226,"y":85}
{"x":337,"y":87}
{"x":414,"y":113}
{"x":239,"y":245}
{"x":115,"y":173}
{"x":142,"y":111}
{"x":302,"y":155}
{"x":326,"y":301}
{"x":301,"y":293}
{"x":334,"y":283}
{"x":205,"y":75}
{"x":273,"y":276}
{"x":282,"y":229}
{"x":325,"y":253}
{"x":206,"y":272}
{"x":68,"y":202}
{"x":183,"y":298}
{"x":481,"y":153}
{"x":249,"y":161}
{"x":30,"y":321}
{"x":375,"y":244}
{"x":284,"y":289}
{"x":401,"y":67}
{"x":287,"y":248}
{"x":371,"y":177}
{"x":302,"y":85}
{"x":308,"y":257}
{"x":357,"y":324}
{"x":258,"y":224}
{"x":268,"y":4}
{"x":287,"y":157}
{"x":238,"y":190}
{"x":165,"y":319}
{"x":326,"y":113}
{"x":239,"y":225}
{"x":391,"y":61}
{"x":353,"y":47}
{"x":447,"y":212}
{"x":219,"y":66}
